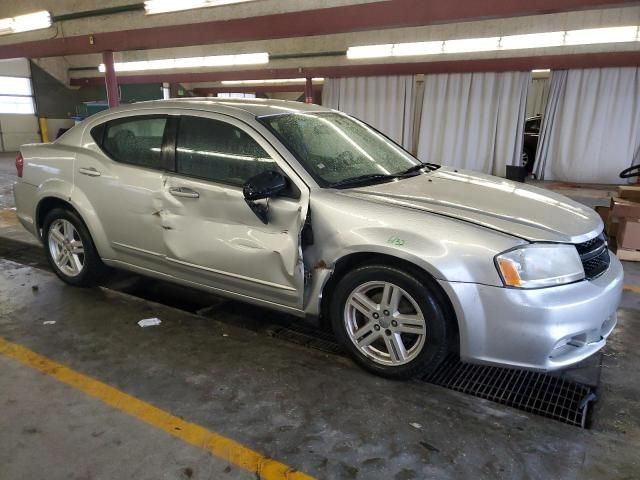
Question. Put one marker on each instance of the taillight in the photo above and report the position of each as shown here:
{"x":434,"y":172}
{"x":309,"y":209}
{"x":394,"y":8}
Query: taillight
{"x":19,"y":164}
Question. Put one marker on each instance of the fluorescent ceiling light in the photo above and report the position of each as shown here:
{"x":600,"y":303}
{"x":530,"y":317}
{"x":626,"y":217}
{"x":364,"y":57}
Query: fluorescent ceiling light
{"x":471,"y":45}
{"x":164,"y":6}
{"x":271,"y":81}
{"x":532,"y":40}
{"x":191,"y":62}
{"x":541,"y":70}
{"x":25,"y":23}
{"x":601,"y":35}
{"x":507,"y":42}
{"x":370,"y":51}
{"x":417,"y":48}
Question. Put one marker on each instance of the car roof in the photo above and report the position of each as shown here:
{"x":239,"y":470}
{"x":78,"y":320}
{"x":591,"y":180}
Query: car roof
{"x":257,"y":107}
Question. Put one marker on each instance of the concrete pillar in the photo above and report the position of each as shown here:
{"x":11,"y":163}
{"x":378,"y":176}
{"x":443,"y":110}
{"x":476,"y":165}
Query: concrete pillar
{"x":110,"y":80}
{"x":308,"y":91}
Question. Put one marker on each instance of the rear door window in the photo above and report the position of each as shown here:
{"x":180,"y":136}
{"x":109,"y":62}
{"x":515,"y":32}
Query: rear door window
{"x":134,"y":140}
{"x":218,"y":151}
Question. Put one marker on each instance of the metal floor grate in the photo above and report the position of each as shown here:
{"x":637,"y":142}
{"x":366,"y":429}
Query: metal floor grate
{"x":539,"y":393}
{"x":309,"y":337}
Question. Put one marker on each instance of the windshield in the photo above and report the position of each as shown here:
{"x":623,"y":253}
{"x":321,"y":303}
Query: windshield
{"x":336,"y":149}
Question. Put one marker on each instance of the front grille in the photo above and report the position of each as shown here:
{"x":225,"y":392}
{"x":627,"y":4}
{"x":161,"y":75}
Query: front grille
{"x":595,"y":256}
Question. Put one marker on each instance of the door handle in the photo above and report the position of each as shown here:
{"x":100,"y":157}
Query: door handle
{"x":183,"y":192}
{"x":92,"y":172}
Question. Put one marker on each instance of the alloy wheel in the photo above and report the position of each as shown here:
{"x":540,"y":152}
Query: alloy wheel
{"x":385,"y":323}
{"x":66,"y":247}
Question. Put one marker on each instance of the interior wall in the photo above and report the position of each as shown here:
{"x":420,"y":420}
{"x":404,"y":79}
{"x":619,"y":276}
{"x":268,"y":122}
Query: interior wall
{"x":53,"y":98}
{"x":286,"y":95}
{"x":17,"y":130}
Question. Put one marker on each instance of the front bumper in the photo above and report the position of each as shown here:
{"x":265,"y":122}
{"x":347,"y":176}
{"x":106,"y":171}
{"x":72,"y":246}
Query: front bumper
{"x":542,"y":329}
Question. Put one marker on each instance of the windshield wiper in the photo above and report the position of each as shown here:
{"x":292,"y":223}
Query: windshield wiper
{"x":415,"y":168}
{"x":382,"y":176}
{"x":362,"y":179}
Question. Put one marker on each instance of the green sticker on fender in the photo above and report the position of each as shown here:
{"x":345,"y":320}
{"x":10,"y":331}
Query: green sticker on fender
{"x":397,"y":241}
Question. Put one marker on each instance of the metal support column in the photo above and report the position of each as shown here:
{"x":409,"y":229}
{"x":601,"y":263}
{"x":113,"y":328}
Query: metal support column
{"x":308,"y":91}
{"x":110,"y":80}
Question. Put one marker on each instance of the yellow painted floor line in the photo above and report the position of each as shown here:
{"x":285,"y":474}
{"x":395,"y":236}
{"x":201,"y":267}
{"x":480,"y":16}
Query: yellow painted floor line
{"x":631,"y":288}
{"x":217,"y":445}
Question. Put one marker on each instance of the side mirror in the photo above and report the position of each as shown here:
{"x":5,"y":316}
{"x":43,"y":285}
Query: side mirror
{"x":264,"y":185}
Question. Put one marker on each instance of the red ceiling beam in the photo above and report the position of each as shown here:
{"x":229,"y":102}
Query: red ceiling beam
{"x":324,"y":21}
{"x":555,"y":62}
{"x":251,"y":89}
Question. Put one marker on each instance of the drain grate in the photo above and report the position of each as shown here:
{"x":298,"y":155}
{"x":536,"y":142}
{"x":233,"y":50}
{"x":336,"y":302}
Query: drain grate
{"x":539,"y":393}
{"x":542,"y":394}
{"x":309,"y":337}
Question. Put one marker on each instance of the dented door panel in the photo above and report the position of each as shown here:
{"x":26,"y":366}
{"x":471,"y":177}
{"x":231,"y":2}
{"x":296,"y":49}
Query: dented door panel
{"x":127,"y":200}
{"x":217,"y":240}
{"x":211,"y":235}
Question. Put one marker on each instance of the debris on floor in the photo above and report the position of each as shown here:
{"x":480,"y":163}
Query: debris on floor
{"x":149,"y":322}
{"x":49,"y":322}
{"x":415,"y":425}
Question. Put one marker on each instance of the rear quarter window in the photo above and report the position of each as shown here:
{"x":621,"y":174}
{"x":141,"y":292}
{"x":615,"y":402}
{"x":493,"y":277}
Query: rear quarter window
{"x":133,"y":140}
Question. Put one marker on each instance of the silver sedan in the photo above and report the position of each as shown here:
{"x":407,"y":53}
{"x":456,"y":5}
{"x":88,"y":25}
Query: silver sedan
{"x":308,"y":211}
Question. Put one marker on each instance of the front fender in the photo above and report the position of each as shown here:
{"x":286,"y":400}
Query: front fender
{"x":448,"y":249}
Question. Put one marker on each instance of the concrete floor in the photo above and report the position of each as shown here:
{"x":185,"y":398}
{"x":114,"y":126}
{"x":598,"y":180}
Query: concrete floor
{"x":313,"y":411}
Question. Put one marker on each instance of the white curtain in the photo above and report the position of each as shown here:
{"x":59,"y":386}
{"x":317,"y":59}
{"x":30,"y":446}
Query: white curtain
{"x":537,"y":96}
{"x":385,"y":103}
{"x":591,"y":126}
{"x":474,"y":120}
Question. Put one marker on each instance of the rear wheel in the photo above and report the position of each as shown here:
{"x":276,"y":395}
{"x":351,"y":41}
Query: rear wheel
{"x":392,"y":323}
{"x":70,"y":249}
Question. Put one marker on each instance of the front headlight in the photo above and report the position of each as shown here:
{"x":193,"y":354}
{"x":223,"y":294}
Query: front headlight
{"x":540,"y":265}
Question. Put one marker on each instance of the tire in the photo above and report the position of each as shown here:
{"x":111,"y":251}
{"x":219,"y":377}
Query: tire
{"x":425,"y":343}
{"x":78,"y":245}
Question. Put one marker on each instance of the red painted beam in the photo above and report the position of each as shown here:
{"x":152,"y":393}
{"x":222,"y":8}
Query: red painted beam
{"x":324,"y":21}
{"x":555,"y":62}
{"x":252,"y":89}
{"x":110,"y":80}
{"x":308,"y":90}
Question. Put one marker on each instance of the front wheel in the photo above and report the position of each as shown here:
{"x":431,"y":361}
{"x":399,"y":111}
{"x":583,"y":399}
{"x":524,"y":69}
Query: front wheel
{"x":70,"y":249}
{"x":392,"y":323}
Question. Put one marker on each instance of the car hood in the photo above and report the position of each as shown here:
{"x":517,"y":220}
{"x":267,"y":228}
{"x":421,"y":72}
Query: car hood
{"x":514,"y":208}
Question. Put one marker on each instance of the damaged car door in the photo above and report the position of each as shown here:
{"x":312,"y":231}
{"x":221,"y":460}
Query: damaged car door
{"x":212,"y":233}
{"x":121,"y":173}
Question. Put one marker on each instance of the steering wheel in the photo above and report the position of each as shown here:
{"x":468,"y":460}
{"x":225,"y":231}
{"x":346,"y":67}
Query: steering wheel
{"x":633,"y":171}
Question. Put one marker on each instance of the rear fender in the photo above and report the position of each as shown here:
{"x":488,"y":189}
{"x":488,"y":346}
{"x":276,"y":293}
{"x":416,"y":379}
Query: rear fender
{"x":57,"y":188}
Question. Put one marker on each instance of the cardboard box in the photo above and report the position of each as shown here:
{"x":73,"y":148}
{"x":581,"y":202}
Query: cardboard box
{"x":621,"y":208}
{"x":604,"y":213}
{"x":610,"y":223}
{"x":629,"y":193}
{"x":629,"y":234}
